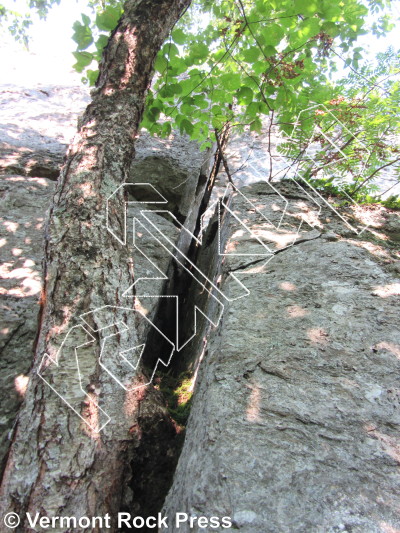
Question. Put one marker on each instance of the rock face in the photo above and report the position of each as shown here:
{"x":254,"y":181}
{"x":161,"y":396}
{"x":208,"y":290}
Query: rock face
{"x":295,"y":417}
{"x":37,"y":125}
{"x":24,"y":203}
{"x":295,"y":420}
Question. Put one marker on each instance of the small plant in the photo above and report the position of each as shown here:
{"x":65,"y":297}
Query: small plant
{"x":178,"y":393}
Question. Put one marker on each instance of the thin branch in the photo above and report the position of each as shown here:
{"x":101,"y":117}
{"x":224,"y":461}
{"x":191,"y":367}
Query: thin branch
{"x":359,"y":73}
{"x":251,"y":77}
{"x":374,"y":174}
{"x":250,"y":30}
{"x":222,"y":154}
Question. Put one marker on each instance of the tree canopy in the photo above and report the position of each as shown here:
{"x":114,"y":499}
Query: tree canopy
{"x":237,"y":64}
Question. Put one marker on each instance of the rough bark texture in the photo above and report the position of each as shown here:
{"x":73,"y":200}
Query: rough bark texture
{"x":295,"y":420}
{"x":53,"y":450}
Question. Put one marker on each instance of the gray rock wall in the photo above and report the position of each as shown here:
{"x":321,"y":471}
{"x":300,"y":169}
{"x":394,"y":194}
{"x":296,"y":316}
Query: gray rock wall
{"x":23,"y":205}
{"x":295,"y":420}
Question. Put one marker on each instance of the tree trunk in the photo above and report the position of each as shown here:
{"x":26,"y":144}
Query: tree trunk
{"x":59,"y":463}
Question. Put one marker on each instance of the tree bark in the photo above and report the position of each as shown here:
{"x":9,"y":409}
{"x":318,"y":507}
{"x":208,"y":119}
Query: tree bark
{"x":58,"y":464}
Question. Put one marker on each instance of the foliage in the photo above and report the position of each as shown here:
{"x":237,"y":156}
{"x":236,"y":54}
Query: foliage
{"x":250,"y":59}
{"x":354,"y":137}
{"x":177,"y":392}
{"x":241,"y":64}
{"x":18,"y":24}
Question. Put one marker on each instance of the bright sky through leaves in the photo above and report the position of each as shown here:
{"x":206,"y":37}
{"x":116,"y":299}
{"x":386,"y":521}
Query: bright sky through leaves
{"x":50,"y":57}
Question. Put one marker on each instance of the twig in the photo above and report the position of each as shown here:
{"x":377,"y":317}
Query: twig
{"x":221,"y":151}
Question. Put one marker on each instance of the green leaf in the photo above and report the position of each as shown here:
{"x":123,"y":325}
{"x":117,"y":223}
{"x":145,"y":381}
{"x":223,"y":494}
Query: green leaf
{"x":83,"y":59}
{"x":331,"y":29}
{"x":306,"y":7}
{"x":186,"y":126}
{"x":199,"y":51}
{"x":200,"y":101}
{"x":108,"y":19}
{"x":273,"y":34}
{"x":154,"y":113}
{"x":187,"y":109}
{"x":252,"y":109}
{"x":166,"y":129}
{"x":179,"y":36}
{"x":160,"y":63}
{"x":270,"y":51}
{"x":251,"y":54}
{"x":309,"y":28}
{"x":85,"y":19}
{"x":170,"y":49}
{"x":92,"y":76}
{"x":82,"y":35}
{"x":245,"y":95}
{"x":231,"y":81}
{"x":205,"y":146}
{"x":332,"y":11}
{"x":101,"y":42}
{"x":256,"y":125}
{"x":176,"y":88}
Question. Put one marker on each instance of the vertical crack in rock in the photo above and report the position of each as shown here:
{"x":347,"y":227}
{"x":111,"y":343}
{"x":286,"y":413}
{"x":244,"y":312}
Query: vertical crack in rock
{"x":154,"y":462}
{"x":294,"y":423}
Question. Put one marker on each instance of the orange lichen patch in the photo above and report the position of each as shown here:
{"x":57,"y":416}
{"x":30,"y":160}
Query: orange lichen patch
{"x":253,"y":404}
{"x":296,"y":311}
{"x":66,"y":323}
{"x":379,"y":235}
{"x":384,"y":291}
{"x":288,"y":286}
{"x":238,"y":233}
{"x":390,"y":347}
{"x":131,"y":43}
{"x":318,"y":336}
{"x":312,"y":218}
{"x":87,"y":189}
{"x":21,"y":384}
{"x":369,"y":215}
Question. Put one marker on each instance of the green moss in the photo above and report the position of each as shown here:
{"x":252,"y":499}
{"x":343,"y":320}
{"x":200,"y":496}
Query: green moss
{"x":178,"y":395}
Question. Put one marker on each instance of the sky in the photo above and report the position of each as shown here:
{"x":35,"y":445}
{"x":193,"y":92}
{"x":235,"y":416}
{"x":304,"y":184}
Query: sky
{"x":50,"y":59}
